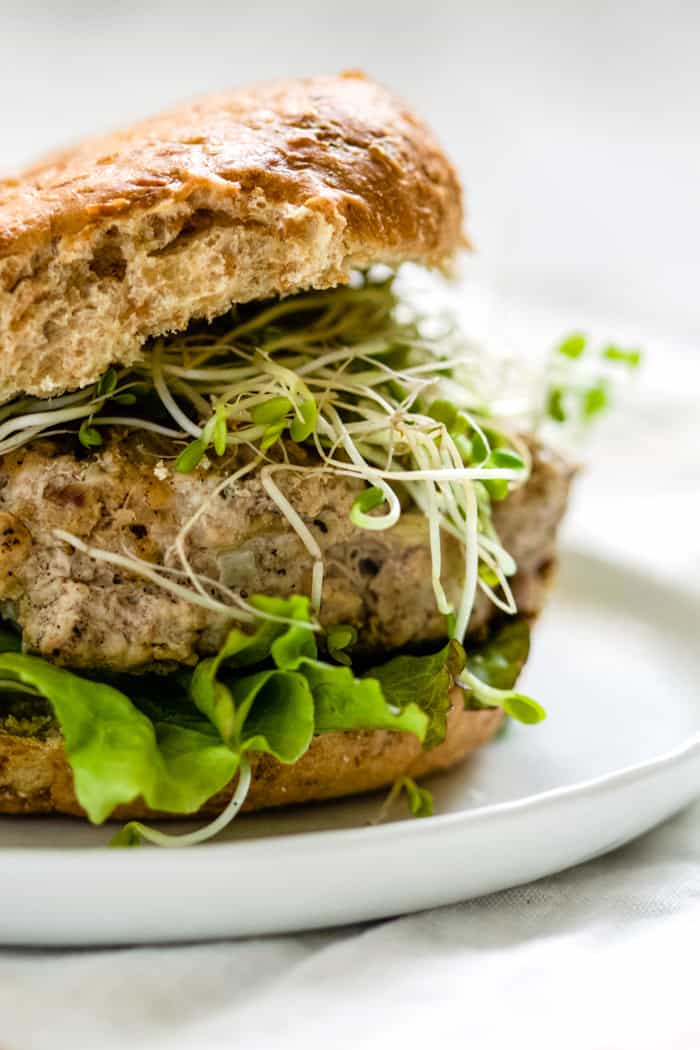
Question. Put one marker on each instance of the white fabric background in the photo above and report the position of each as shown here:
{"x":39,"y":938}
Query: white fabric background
{"x":598,"y":958}
{"x":576,"y":129}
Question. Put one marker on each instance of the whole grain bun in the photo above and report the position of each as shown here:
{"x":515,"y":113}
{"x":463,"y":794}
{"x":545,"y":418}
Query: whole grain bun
{"x":263,"y":192}
{"x":35,"y":776}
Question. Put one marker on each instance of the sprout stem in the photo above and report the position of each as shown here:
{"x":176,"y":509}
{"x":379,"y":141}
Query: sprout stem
{"x":193,"y":838}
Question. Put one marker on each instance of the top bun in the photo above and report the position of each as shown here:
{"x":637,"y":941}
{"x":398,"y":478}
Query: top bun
{"x":267,"y":191}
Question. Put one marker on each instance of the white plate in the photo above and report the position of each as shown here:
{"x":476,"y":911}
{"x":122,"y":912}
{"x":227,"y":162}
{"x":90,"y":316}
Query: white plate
{"x":615,"y":662}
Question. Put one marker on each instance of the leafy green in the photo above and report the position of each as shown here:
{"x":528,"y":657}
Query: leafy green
{"x":135,"y":832}
{"x":272,"y":434}
{"x":116,"y":753}
{"x":426,"y":679}
{"x":344,"y":702}
{"x":191,"y":456}
{"x":339,"y":638}
{"x":258,"y":646}
{"x":340,"y":700}
{"x":278,"y":709}
{"x":493,"y":670}
{"x":420,"y":800}
{"x":212,"y":697}
{"x":499,"y":661}
{"x":274,"y":713}
{"x":176,"y":741}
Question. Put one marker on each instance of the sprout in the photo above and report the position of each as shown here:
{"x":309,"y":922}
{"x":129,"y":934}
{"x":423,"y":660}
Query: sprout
{"x":220,"y":429}
{"x":89,"y":436}
{"x":166,"y":396}
{"x":306,"y":537}
{"x":595,"y":400}
{"x":272,"y":435}
{"x":191,"y":456}
{"x":444,"y":412}
{"x":579,"y":387}
{"x":370,"y":499}
{"x":522,"y":708}
{"x":273,"y":411}
{"x":133,"y":832}
{"x":339,"y":637}
{"x":235,"y":609}
{"x":555,"y":405}
{"x":304,"y":424}
{"x":573,"y":346}
{"x":107,"y":383}
{"x":502,"y":457}
{"x":480,"y":449}
{"x":384,"y":392}
{"x":153,"y":575}
{"x":420,"y":800}
{"x":631,"y":358}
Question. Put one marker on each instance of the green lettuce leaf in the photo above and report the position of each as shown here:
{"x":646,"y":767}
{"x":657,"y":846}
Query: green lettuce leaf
{"x":176,"y":741}
{"x":246,"y":650}
{"x":275,"y":713}
{"x":343,"y":702}
{"x":213,"y":697}
{"x":493,"y":670}
{"x":115,"y":751}
{"x":499,"y":661}
{"x":339,"y":700}
{"x":426,"y":680}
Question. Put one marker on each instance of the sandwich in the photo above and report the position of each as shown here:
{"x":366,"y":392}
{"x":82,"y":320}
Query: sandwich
{"x":269,"y":531}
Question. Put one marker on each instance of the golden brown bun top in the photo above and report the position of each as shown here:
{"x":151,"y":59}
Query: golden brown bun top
{"x":263,"y":192}
{"x":331,"y":143}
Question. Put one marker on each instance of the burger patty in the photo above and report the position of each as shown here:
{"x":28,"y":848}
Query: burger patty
{"x":125,"y":498}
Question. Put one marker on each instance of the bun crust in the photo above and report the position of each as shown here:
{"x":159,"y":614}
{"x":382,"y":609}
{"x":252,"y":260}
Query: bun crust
{"x":35,"y":776}
{"x":263,"y":192}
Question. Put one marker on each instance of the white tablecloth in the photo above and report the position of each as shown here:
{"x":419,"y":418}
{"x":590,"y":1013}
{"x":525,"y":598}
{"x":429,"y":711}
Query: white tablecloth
{"x":602,"y":957}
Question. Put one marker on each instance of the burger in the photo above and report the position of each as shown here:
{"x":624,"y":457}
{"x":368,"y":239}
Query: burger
{"x":269,"y":531}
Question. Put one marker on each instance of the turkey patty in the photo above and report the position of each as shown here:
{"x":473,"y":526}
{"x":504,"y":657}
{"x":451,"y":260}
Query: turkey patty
{"x":83,"y":613}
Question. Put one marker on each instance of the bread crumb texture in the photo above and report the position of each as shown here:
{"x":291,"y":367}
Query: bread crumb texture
{"x":259,"y":193}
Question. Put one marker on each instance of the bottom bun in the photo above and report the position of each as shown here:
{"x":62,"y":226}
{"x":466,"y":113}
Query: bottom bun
{"x":35,"y":776}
